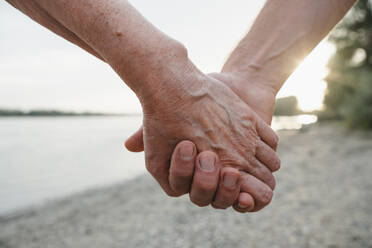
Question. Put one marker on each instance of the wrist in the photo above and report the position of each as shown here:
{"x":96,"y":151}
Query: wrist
{"x":259,"y":79}
{"x":148,"y":67}
{"x":166,"y":78}
{"x":259,"y":96}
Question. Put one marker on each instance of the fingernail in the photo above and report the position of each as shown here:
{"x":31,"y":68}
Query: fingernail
{"x":207,"y":163}
{"x":229,"y":180}
{"x":186,"y":151}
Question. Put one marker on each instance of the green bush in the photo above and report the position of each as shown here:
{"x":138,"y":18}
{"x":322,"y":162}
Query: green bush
{"x":349,"y":91}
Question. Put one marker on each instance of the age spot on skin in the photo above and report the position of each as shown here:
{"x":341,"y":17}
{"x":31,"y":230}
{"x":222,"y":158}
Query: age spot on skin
{"x":118,"y":33}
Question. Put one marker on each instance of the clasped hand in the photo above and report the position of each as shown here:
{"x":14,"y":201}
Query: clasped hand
{"x":201,"y":138}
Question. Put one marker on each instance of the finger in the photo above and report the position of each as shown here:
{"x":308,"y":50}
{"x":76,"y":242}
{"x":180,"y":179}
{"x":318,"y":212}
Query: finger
{"x":261,"y":193}
{"x":205,"y":179}
{"x":261,"y":172}
{"x":135,"y":142}
{"x":158,"y":163}
{"x":182,"y":167}
{"x":228,"y":188}
{"x":267,"y":156}
{"x":267,"y":134}
{"x":244,"y":203}
{"x":161,"y":175}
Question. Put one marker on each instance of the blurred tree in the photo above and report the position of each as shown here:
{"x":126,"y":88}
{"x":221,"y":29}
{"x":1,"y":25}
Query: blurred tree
{"x":349,"y":91}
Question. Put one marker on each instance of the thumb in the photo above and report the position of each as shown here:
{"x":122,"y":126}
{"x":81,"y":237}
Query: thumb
{"x":135,"y":142}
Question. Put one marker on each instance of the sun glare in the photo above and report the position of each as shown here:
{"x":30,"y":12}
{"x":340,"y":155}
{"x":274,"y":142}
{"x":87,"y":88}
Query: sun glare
{"x":307,"y":82}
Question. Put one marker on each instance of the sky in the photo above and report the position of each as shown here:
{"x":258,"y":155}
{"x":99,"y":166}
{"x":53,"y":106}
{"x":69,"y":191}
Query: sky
{"x":40,"y":70}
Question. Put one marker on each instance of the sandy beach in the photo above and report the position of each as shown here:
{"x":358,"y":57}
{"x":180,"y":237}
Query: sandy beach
{"x":323,"y":199}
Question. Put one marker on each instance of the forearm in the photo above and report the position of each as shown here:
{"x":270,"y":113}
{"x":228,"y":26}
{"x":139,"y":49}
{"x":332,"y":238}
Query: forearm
{"x":282,"y":35}
{"x":114,"y":31}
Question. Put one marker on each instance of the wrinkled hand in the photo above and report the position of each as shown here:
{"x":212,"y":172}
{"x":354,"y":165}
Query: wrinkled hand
{"x":213,"y":117}
{"x":262,"y":100}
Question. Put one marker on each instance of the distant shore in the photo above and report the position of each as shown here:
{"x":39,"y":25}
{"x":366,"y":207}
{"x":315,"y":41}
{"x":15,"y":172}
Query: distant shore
{"x":55,"y":113}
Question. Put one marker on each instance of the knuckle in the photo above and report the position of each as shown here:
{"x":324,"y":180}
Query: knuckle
{"x":205,"y":188}
{"x":155,"y":171}
{"x":218,"y":206}
{"x":199,"y":202}
{"x":275,"y":140}
{"x":277,"y":163}
{"x":266,"y":196}
{"x":173,"y":194}
{"x":273,"y":184}
{"x":239,"y":210}
{"x":181,"y":190}
{"x":256,"y":209}
{"x":202,"y":204}
{"x":273,"y":164}
{"x":250,"y":116}
{"x":181,"y":173}
{"x":268,"y":178}
{"x":151,"y":170}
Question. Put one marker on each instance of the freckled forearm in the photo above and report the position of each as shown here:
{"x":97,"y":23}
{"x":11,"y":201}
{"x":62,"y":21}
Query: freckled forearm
{"x":283,"y":34}
{"x":113,"y":31}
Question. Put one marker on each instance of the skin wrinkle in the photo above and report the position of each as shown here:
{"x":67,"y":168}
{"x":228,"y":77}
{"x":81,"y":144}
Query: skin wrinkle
{"x":174,"y":92}
{"x":246,"y":143}
{"x":216,"y":143}
{"x":219,"y":139}
{"x":227,"y":111}
{"x":246,"y":123}
{"x":204,"y":126}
